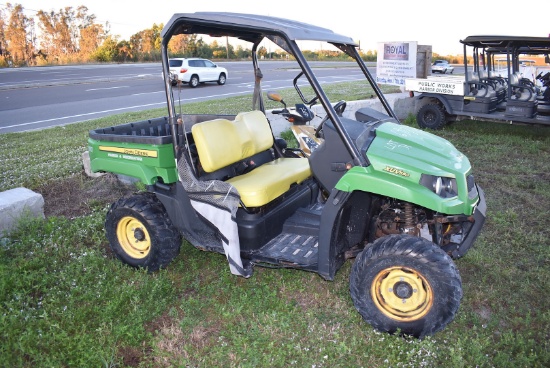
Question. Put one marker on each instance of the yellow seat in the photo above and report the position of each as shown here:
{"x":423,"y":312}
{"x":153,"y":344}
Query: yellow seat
{"x":267,"y":182}
{"x":222,"y":142}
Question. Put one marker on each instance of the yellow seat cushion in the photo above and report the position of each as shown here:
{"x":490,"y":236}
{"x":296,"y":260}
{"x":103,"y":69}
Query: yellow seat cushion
{"x":222,"y":142}
{"x":267,"y":182}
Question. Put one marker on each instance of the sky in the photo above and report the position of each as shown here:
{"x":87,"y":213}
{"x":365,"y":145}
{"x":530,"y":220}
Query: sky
{"x":441,"y":24}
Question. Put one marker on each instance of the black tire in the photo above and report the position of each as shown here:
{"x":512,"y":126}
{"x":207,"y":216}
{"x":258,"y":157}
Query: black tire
{"x":405,"y":283}
{"x":140,"y":232}
{"x":222,"y":79}
{"x":431,"y":116}
{"x":194,"y":81}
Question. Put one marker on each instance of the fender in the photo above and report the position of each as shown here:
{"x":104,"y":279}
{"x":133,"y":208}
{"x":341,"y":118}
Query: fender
{"x":367,"y":179}
{"x":400,"y":157}
{"x":441,"y":98}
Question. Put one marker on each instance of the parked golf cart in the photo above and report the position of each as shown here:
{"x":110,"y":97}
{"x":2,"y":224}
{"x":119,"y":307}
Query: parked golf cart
{"x":485,"y":92}
{"x":401,"y":201}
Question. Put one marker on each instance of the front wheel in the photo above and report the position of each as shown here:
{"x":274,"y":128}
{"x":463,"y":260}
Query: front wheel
{"x":194,"y":81}
{"x":140,"y":233}
{"x":405,"y":283}
{"x":222,"y":79}
{"x":431,"y":116}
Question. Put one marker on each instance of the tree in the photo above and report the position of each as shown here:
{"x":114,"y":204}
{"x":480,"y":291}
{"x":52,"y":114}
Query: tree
{"x":56,"y":32}
{"x":220,"y":51}
{"x":108,"y":51}
{"x":203,"y":50}
{"x":91,"y":37}
{"x":370,"y":56}
{"x":3,"y":44}
{"x":198,"y":48}
{"x":243,"y":53}
{"x":67,"y":32}
{"x":178,"y":44}
{"x":147,"y":43}
{"x":191,"y":46}
{"x":19,"y":36}
{"x":262,"y":52}
{"x":125,"y":51}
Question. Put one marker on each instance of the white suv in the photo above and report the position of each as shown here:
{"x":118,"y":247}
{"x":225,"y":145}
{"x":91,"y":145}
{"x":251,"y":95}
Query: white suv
{"x":195,"y":70}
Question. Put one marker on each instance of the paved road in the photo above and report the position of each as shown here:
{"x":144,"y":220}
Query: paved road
{"x":41,"y":97}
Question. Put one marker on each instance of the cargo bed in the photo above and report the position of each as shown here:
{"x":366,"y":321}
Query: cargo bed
{"x":141,"y":149}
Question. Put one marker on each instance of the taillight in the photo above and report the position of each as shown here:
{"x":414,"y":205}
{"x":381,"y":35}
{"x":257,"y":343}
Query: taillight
{"x":183,"y":70}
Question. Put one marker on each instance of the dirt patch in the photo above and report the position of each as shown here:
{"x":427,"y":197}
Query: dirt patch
{"x":79,"y":194}
{"x":131,"y":356}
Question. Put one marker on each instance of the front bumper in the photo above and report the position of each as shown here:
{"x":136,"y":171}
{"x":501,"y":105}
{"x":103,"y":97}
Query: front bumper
{"x":480,"y":214}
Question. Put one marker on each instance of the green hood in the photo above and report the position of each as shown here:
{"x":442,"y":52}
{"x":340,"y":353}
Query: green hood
{"x":416,"y":151}
{"x":399,"y":155}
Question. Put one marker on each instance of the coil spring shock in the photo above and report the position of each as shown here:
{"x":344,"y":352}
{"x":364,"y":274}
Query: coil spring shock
{"x":409,"y":228}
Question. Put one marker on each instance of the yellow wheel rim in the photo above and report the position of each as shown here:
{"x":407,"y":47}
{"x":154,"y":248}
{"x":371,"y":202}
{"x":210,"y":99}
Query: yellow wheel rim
{"x":402,"y":294}
{"x":133,"y":237}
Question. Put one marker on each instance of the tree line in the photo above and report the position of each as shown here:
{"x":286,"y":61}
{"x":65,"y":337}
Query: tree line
{"x":74,"y":36}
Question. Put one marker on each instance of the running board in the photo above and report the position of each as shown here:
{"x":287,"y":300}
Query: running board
{"x":290,"y":249}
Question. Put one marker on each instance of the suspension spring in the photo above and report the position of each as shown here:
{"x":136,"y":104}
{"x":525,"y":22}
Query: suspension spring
{"x":409,"y":216}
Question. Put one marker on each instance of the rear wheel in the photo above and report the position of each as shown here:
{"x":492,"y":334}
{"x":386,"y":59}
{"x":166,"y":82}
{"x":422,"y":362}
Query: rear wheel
{"x":405,"y":283}
{"x":194,"y":81}
{"x":431,"y":116}
{"x":140,"y":232}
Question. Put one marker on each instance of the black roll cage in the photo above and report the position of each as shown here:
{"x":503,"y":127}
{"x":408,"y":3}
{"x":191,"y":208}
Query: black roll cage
{"x":254,"y":28}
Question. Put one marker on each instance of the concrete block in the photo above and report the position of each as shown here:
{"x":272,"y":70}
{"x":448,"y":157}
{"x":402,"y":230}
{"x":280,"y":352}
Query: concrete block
{"x":87,"y":166}
{"x":404,"y":106}
{"x":16,"y":203}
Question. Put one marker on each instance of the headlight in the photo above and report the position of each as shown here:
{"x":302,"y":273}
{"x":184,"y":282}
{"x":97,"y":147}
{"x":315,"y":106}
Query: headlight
{"x":442,"y":186}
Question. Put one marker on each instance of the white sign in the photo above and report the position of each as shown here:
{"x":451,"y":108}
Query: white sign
{"x":396,"y":62}
{"x":436,"y":85}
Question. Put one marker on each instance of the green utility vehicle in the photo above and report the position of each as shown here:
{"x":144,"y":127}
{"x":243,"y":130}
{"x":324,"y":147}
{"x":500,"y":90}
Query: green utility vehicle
{"x":401,"y":201}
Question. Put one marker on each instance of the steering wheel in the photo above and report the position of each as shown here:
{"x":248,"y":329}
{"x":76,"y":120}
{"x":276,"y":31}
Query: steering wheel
{"x":339,"y":108}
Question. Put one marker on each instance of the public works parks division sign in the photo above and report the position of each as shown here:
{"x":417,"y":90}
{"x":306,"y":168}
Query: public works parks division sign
{"x":396,"y":62}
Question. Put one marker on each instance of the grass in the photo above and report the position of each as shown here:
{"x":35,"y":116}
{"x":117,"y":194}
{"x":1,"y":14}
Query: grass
{"x":66,"y":301}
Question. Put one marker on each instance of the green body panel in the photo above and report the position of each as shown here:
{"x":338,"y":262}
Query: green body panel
{"x":398,"y":156}
{"x":143,"y":161}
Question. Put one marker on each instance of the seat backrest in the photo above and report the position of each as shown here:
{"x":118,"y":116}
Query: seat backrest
{"x":222,"y":142}
{"x":473,"y":77}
